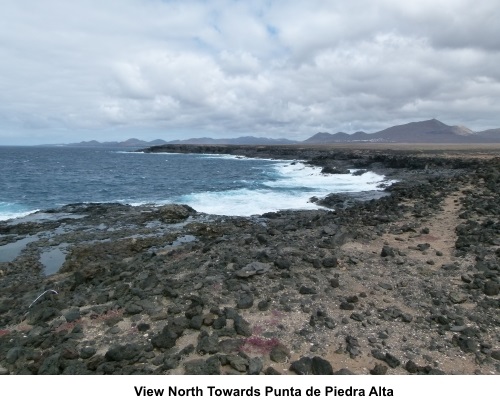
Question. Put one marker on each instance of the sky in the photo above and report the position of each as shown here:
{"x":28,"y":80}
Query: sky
{"x":110,"y":70}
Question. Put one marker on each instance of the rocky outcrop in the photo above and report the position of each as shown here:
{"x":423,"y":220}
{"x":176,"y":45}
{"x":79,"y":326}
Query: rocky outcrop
{"x":404,"y":284}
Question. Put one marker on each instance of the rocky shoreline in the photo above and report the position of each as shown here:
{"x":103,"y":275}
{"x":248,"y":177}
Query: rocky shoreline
{"x":404,"y":284}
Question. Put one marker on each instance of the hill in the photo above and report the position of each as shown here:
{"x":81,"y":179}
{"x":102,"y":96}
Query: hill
{"x":429,"y":131}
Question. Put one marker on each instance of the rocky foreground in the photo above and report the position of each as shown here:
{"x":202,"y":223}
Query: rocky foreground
{"x":405,"y":284}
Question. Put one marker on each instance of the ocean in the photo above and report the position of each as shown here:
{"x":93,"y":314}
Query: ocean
{"x":39,"y":178}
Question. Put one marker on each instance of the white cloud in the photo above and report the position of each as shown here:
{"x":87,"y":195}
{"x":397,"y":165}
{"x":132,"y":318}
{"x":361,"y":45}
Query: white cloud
{"x":274,"y":68}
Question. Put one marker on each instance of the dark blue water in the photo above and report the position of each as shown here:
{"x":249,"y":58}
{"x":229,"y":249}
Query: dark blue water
{"x":36,"y":178}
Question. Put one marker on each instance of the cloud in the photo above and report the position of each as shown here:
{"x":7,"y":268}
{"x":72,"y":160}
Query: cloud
{"x":227,"y":68}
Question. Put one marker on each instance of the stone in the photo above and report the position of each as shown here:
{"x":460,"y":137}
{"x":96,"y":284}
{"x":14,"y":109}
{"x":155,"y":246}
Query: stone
{"x":457,"y":298}
{"x":50,"y":365}
{"x":13,"y":354}
{"x":87,"y":352}
{"x":307,"y":290}
{"x":320,"y":366}
{"x":255,"y":366}
{"x":238,"y":363}
{"x":252,"y":269}
{"x":391,"y":360}
{"x":330,"y":262}
{"x":264,"y":305}
{"x":166,"y":339}
{"x":346,"y":306}
{"x":208,"y":344}
{"x":491,"y":288}
{"x":303,"y":366}
{"x":379,"y":369}
{"x":387,"y":251}
{"x":282,"y":263}
{"x":279,"y":353}
{"x":334,"y":282}
{"x":122,"y":352}
{"x":72,"y":314}
{"x":242,"y":327}
{"x":245,"y":301}
{"x":175,"y":212}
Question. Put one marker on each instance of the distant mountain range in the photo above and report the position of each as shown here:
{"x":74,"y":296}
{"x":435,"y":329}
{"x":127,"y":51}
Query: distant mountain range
{"x":430,"y":131}
{"x":137,"y":143}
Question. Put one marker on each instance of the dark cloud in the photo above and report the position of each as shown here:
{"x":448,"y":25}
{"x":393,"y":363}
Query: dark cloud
{"x":274,"y":68}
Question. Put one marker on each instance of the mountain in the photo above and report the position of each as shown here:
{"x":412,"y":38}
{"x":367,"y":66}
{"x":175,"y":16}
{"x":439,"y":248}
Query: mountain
{"x":137,"y":143}
{"x":430,"y":131}
{"x":243,"y":140}
{"x":492,"y":134}
{"x":129,"y":143}
{"x":325,"y":137}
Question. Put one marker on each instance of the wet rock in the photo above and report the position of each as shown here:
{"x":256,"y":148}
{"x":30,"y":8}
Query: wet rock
{"x":334,"y":170}
{"x":175,"y":212}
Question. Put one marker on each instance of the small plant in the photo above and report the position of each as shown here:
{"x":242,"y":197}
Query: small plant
{"x":4,"y":332}
{"x":111,"y":314}
{"x":259,"y":344}
{"x":68,"y":326}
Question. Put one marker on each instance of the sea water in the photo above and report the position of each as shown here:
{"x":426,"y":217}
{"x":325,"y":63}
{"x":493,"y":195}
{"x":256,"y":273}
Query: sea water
{"x":40,"y":178}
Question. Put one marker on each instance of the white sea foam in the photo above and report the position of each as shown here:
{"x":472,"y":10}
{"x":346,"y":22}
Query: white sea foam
{"x":301,"y":175}
{"x":235,"y":157}
{"x":294,"y":186}
{"x":11,"y":211}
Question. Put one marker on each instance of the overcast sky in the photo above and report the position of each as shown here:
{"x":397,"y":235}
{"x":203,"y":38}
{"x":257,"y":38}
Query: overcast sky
{"x":109,"y":70}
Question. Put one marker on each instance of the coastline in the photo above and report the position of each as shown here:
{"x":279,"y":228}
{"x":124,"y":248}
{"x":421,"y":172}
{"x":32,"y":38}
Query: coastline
{"x":400,"y":285}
